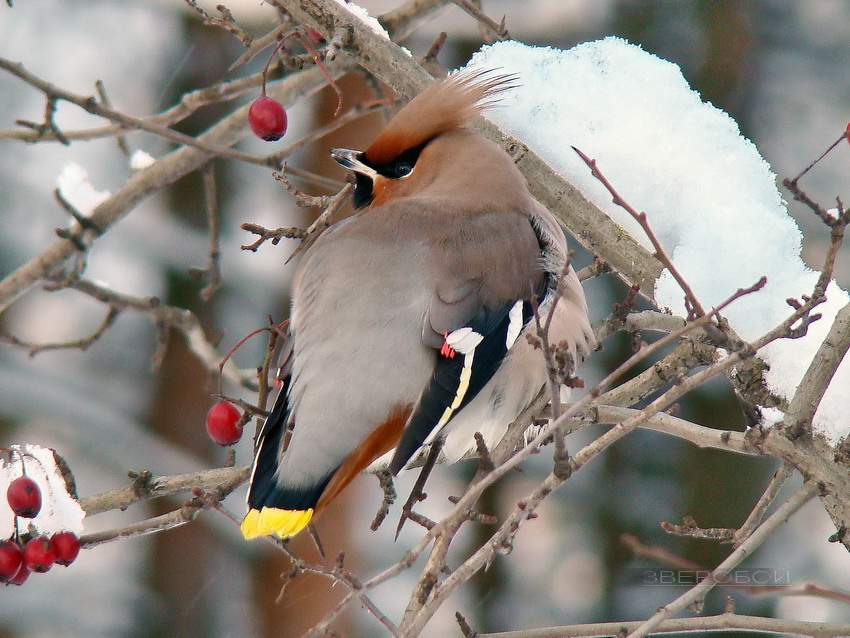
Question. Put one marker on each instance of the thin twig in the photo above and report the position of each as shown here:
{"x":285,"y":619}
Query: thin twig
{"x":641,"y":219}
{"x":77,"y":344}
{"x":270,"y":234}
{"x":745,"y":549}
{"x":226,"y":22}
{"x":323,"y":221}
{"x":212,"y":272}
{"x":121,"y":140}
{"x":497,"y":28}
{"x":92,"y":106}
{"x":141,"y":184}
{"x":697,"y":625}
{"x":165,"y":522}
{"x":765,"y":501}
{"x":690,"y":529}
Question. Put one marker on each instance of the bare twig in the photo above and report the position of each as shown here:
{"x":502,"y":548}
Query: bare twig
{"x":496,"y":28}
{"x":819,"y":158}
{"x":385,"y":479}
{"x":224,"y":478}
{"x":822,"y":368}
{"x":657,"y":554}
{"x":212,"y":272}
{"x":226,"y":22}
{"x":49,"y":124}
{"x":702,"y":320}
{"x":165,"y":522}
{"x":780,"y":516}
{"x":166,"y":170}
{"x":690,"y":529}
{"x":697,"y":625}
{"x":765,"y":501}
{"x":323,"y":221}
{"x":189,"y":103}
{"x":403,"y":20}
{"x":104,"y":99}
{"x":166,"y":318}
{"x":269,"y":234}
{"x":77,"y":344}
{"x":640,"y":218}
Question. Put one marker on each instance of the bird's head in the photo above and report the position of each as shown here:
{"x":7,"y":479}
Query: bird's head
{"x":425,"y":150}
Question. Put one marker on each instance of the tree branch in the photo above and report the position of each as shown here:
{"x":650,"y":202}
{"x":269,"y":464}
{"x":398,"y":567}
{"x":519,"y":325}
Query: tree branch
{"x":728,"y":622}
{"x":780,"y":516}
{"x":166,"y":170}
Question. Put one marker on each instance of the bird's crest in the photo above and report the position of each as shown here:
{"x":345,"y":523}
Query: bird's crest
{"x":445,"y":105}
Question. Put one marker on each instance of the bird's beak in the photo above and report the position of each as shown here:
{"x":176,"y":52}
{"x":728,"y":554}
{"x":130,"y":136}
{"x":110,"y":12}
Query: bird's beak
{"x":351,"y":160}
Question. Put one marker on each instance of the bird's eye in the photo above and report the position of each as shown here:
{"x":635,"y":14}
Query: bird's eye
{"x":401,"y":169}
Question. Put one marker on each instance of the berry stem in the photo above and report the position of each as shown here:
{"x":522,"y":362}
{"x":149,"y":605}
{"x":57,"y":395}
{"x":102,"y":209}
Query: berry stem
{"x":311,"y":50}
{"x":280,"y":41}
{"x":305,"y":41}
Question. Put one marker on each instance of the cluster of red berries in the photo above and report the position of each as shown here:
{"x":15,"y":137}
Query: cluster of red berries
{"x":24,"y":554}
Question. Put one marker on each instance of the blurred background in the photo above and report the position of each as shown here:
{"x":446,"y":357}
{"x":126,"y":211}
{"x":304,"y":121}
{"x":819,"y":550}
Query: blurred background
{"x":778,"y":67}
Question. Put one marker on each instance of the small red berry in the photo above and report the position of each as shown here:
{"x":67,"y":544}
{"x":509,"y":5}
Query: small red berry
{"x":67,"y":546}
{"x":21,"y":577}
{"x":267,"y":118}
{"x":314,"y":35}
{"x":847,"y":132}
{"x":39,"y":554}
{"x":11,"y":559}
{"x":24,"y":497}
{"x":223,"y":424}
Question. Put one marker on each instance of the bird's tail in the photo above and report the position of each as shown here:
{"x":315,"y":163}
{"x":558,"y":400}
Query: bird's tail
{"x":272,"y":508}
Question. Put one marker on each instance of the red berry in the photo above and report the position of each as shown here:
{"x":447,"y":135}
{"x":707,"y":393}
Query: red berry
{"x":67,"y":546}
{"x":24,"y":497}
{"x":267,"y":118}
{"x":223,"y":424}
{"x":11,"y":559}
{"x":314,"y":35}
{"x":21,"y":577}
{"x":39,"y":554}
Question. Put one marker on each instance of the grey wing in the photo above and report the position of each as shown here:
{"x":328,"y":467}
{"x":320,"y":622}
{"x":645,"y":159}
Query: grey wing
{"x":486,"y":261}
{"x":479,"y":304}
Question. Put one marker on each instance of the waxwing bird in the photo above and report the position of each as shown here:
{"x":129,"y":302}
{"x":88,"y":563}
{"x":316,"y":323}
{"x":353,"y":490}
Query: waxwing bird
{"x":408,"y":319}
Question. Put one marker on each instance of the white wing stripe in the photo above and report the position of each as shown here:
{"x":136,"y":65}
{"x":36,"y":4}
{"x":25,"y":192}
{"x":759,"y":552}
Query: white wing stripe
{"x":464,"y":340}
{"x":514,"y":324}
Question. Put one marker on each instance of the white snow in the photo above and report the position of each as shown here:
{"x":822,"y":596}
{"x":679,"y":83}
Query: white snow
{"x":140,"y":160}
{"x":709,"y":195}
{"x":73,"y":184}
{"x":363,"y":14}
{"x":59,"y":511}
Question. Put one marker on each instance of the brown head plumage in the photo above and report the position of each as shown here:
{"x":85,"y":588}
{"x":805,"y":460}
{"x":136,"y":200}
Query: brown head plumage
{"x":443,"y":106}
{"x":428,"y":135}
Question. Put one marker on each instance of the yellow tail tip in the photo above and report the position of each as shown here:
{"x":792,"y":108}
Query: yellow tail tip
{"x":270,"y":520}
